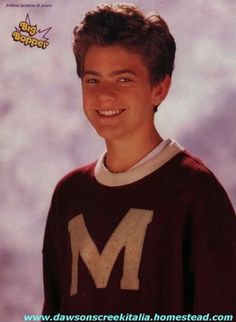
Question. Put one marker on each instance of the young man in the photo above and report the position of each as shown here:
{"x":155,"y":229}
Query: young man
{"x":147,"y":228}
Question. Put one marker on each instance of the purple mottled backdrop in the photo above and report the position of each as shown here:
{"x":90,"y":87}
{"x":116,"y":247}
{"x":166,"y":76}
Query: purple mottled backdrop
{"x":43,"y":133}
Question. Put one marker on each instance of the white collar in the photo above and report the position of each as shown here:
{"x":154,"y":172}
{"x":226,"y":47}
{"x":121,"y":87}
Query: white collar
{"x":164,"y":152}
{"x":153,"y":153}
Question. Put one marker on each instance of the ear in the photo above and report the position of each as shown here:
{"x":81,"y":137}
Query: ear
{"x":160,"y":90}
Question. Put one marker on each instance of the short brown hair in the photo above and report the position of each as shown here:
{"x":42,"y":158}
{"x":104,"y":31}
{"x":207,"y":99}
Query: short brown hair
{"x":126,"y":25}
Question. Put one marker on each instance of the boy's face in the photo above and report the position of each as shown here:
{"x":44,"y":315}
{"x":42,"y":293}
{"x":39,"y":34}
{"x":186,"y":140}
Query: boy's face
{"x":118,"y":98}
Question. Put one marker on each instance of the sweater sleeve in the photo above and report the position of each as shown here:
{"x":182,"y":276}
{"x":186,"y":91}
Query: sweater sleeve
{"x":50,"y":263}
{"x":214,"y":249}
{"x":215,"y":281}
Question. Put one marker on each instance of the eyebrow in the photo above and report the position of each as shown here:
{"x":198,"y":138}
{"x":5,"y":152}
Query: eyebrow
{"x":115,"y":73}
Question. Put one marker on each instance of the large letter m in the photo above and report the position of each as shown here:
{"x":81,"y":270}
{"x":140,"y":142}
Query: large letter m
{"x":129,"y":234}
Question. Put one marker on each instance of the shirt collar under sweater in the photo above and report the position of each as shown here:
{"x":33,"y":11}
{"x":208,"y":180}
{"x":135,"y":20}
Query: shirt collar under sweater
{"x":164,"y":152}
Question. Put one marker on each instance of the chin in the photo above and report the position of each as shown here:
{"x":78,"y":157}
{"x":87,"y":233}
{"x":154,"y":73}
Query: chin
{"x":108,"y":134}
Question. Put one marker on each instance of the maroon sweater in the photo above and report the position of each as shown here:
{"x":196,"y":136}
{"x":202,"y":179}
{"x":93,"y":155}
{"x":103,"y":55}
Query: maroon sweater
{"x":162,"y":242}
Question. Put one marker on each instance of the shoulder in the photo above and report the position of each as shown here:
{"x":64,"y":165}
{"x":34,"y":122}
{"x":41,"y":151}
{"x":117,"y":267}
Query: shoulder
{"x":209,"y":201}
{"x":190,"y":164}
{"x":190,"y":168}
{"x":76,"y":178}
{"x":211,"y":217}
{"x":197,"y":180}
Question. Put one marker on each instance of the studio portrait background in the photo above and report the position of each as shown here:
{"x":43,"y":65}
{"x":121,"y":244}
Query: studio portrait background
{"x":44,"y":134}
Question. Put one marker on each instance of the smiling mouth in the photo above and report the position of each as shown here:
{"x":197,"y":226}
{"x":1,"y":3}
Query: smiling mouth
{"x":109,"y":113}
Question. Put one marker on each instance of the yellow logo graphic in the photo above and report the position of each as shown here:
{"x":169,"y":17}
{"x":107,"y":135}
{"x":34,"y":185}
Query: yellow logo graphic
{"x":26,"y":34}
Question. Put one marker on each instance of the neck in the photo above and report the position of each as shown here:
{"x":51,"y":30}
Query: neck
{"x":121,"y":156}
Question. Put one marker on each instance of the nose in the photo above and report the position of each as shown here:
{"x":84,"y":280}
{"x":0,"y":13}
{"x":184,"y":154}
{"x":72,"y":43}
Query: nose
{"x":105,"y":93}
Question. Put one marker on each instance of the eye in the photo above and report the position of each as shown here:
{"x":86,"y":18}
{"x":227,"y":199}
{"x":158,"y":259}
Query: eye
{"x":124,"y":80}
{"x":91,"y":81}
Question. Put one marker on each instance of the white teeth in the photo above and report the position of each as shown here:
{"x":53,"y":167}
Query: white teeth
{"x":109,"y":112}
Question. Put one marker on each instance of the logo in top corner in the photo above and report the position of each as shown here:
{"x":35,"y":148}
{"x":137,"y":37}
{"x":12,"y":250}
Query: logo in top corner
{"x":29,"y":34}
